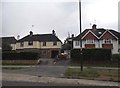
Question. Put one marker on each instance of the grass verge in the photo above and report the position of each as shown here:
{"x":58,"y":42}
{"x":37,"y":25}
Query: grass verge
{"x":95,"y":63}
{"x":108,"y":75}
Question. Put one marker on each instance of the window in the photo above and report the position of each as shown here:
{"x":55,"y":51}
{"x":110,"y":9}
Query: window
{"x":44,"y":43}
{"x":107,"y":41}
{"x":89,"y":41}
{"x":54,"y":43}
{"x":21,"y":44}
{"x":77,"y":43}
{"x":30,"y":43}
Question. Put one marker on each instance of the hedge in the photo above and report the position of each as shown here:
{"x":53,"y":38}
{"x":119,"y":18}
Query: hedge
{"x":116,"y":57}
{"x":19,"y":56}
{"x":91,"y":54}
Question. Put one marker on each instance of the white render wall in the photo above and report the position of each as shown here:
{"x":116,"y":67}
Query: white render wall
{"x":74,"y":45}
{"x":115,"y":47}
{"x":83,"y":44}
{"x":98,"y":44}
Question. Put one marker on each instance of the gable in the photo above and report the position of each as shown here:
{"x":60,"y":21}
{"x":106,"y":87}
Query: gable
{"x":89,"y":36}
{"x":108,"y":35}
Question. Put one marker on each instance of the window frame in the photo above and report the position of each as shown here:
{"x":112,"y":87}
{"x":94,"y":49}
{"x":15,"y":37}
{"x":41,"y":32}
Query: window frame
{"x":107,"y":41}
{"x":90,"y":41}
{"x":77,"y":43}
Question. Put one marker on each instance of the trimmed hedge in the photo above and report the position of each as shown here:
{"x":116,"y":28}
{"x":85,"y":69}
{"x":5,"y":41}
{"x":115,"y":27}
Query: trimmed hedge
{"x":116,"y":57}
{"x":19,"y":56}
{"x":92,"y":54}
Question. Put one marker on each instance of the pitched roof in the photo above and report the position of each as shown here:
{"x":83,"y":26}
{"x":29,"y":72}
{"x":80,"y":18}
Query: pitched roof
{"x":9,"y":40}
{"x":98,"y":32}
{"x":117,"y":34}
{"x":40,"y":37}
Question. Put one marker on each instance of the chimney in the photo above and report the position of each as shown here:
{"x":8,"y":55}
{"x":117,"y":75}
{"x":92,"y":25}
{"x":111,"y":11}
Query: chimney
{"x":31,"y":33}
{"x":94,"y":26}
{"x":18,"y":37}
{"x":53,"y":32}
{"x":72,"y":35}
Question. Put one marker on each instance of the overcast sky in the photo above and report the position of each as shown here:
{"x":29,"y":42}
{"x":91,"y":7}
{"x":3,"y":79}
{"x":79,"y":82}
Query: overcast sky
{"x":18,"y":16}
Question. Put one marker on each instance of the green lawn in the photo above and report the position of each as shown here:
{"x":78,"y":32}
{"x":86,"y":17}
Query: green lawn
{"x":89,"y":73}
{"x":95,"y":64}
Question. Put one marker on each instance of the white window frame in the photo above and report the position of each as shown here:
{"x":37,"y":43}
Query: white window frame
{"x":90,"y":41}
{"x":77,"y":43}
{"x":107,"y":41}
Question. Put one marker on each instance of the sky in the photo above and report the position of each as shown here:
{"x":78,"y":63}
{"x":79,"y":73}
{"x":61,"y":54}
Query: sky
{"x":42,"y":16}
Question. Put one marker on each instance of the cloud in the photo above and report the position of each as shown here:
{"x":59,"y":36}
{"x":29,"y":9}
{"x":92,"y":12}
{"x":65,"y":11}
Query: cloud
{"x":18,"y":17}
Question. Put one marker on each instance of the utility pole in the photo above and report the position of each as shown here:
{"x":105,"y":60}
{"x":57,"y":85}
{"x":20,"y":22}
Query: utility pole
{"x":81,"y":51}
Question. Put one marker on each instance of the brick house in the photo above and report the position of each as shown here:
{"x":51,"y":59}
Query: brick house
{"x":98,"y":38}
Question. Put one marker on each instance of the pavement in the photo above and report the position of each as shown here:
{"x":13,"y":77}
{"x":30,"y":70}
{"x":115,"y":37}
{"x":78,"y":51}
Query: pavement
{"x":54,"y":80}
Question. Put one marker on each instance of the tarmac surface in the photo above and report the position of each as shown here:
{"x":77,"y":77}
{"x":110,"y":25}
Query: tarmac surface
{"x":54,"y":80}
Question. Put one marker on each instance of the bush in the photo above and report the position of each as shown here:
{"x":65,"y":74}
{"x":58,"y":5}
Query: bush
{"x":19,"y":56}
{"x":75,"y":54}
{"x":92,"y":54}
{"x":116,"y":57}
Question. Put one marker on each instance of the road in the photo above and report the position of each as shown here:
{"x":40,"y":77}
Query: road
{"x":54,"y":71}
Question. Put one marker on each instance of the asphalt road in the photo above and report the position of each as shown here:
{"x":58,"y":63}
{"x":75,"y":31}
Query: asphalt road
{"x":14,"y":83}
{"x":45,"y":70}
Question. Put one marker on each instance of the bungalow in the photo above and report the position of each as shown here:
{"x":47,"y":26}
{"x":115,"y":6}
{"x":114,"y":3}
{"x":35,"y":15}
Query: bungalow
{"x":48,"y":45}
{"x":98,"y":38}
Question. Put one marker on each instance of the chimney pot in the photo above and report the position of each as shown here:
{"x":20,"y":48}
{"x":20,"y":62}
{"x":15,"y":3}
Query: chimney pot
{"x":53,"y":32}
{"x":72,"y":35}
{"x":31,"y":33}
{"x":94,"y":26}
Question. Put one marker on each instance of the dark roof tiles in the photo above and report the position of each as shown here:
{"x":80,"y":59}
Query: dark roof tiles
{"x":40,"y":37}
{"x":98,"y":32}
{"x":10,"y":40}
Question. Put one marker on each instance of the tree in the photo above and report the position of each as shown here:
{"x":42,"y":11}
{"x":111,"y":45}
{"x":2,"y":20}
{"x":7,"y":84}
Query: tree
{"x":6,"y":47}
{"x":66,"y":46}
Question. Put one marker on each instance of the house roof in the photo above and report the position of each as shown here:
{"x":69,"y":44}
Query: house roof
{"x":117,"y":34}
{"x":98,"y":32}
{"x":40,"y":37}
{"x":9,"y":40}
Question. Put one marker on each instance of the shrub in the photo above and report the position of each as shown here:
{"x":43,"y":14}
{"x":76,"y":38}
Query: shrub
{"x":19,"y":56}
{"x":75,"y":54}
{"x":116,"y":57}
{"x":92,"y":54}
